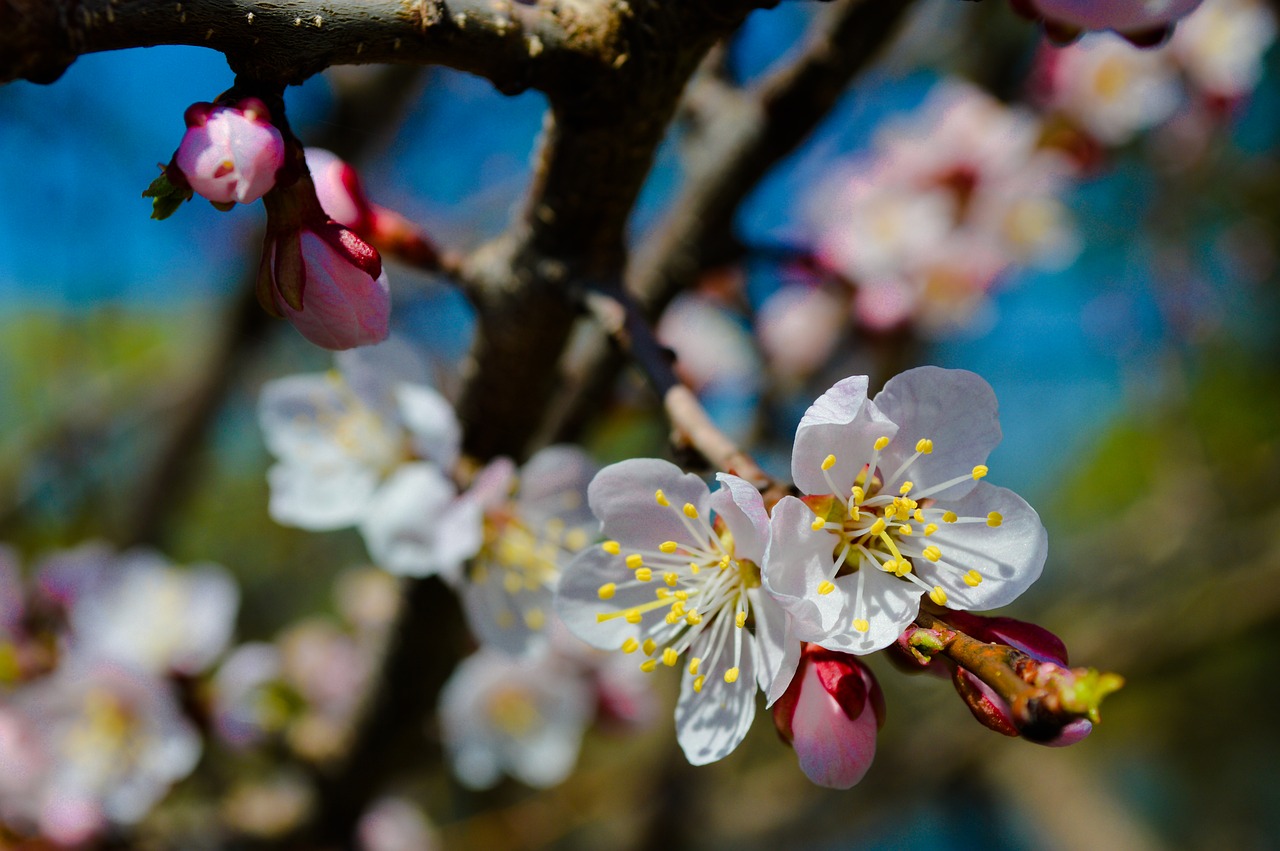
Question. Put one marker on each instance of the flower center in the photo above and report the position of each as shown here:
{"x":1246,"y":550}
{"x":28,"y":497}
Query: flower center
{"x":526,"y":560}
{"x":884,"y":523}
{"x":702,"y":585}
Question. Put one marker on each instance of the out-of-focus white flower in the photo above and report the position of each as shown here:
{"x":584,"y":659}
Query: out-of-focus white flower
{"x":338,"y":436}
{"x":394,"y":824}
{"x":508,"y":594}
{"x":712,"y":348}
{"x":328,"y":669}
{"x":1110,"y":88}
{"x":679,"y":576}
{"x":91,"y":745}
{"x":246,"y":704}
{"x":886,"y":518}
{"x":1220,"y":47}
{"x":521,"y":717}
{"x":155,"y":617}
{"x":799,"y":328}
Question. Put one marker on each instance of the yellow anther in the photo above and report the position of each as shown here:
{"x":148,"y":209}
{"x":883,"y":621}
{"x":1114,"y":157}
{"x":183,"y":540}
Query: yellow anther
{"x":855,"y":513}
{"x":861,"y":625}
{"x":690,"y":511}
{"x":632,"y":616}
{"x":994,"y":519}
{"x":631,"y":645}
{"x":649,"y":646}
{"x":826,"y":586}
{"x":828,"y":462}
{"x":818,"y":524}
{"x":858,"y":494}
{"x":740,"y":620}
{"x":725,"y":561}
{"x":890,"y":511}
{"x":672,"y":618}
{"x":612,"y":547}
{"x":694,"y":568}
{"x":535,"y":619}
{"x":694,"y":664}
{"x":576,"y":539}
{"x":661,"y":498}
{"x":635,"y":560}
{"x":904,"y":529}
{"x":877,"y":528}
{"x":938,"y":596}
{"x":978,"y":472}
{"x":731,"y":675}
{"x":973,"y":579}
{"x":903,"y":568}
{"x":607,"y":591}
{"x":644,"y":574}
{"x":930,"y":529}
{"x":668,"y":546}
{"x":649,"y":665}
{"x":671,"y":578}
{"x":890,"y":566}
{"x":924,"y":446}
{"x":906,"y":488}
{"x":693,"y":618}
{"x":678,"y":608}
{"x":919,"y":515}
{"x":663,"y":593}
{"x":698,"y":681}
{"x":670,"y":657}
{"x":932,"y":553}
{"x":682,"y":594}
{"x":881,"y":443}
{"x":949,"y":517}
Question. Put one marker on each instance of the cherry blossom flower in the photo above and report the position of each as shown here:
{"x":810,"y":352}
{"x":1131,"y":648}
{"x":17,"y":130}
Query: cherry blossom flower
{"x":91,"y":745}
{"x":1220,"y":47}
{"x":830,"y":714}
{"x":1110,"y":89}
{"x":230,"y":154}
{"x":522,"y":717}
{"x":395,"y":824}
{"x":679,"y":577}
{"x":157,"y":618}
{"x":338,"y":436}
{"x":508,"y":592}
{"x":895,"y":508}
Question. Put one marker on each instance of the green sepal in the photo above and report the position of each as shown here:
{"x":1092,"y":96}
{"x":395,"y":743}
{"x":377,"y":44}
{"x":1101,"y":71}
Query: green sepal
{"x":166,"y":198}
{"x":223,"y":206}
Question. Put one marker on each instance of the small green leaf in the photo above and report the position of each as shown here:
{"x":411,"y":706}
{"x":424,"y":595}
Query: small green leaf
{"x":166,"y":198}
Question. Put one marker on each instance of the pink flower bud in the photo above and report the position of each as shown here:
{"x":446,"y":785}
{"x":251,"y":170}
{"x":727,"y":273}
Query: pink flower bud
{"x":230,"y":153}
{"x":993,"y":713}
{"x":329,"y":283}
{"x":1145,"y":24}
{"x":824,"y":716}
{"x":338,"y":188}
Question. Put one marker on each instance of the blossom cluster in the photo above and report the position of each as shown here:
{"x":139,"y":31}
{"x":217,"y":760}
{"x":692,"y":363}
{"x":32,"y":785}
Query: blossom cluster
{"x":98,"y":653}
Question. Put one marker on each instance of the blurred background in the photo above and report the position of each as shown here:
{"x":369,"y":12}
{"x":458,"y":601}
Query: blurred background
{"x":1136,"y":374}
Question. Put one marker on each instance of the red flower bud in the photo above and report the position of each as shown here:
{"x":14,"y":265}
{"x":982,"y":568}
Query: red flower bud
{"x":230,"y":153}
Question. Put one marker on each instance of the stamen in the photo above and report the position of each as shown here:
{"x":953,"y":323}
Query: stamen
{"x":635,"y":560}
{"x":694,"y":664}
{"x":731,"y":675}
{"x":613,"y":548}
{"x":828,"y":463}
{"x":649,"y":665}
{"x":932,"y":553}
{"x":631,"y":645}
{"x":671,"y":578}
{"x":938,"y":596}
{"x":607,"y":591}
{"x":978,"y":472}
{"x":644,"y":574}
{"x":670,"y":657}
{"x":924,"y":446}
{"x":818,"y":524}
{"x":881,"y":443}
{"x":826,"y":586}
{"x":994,"y":519}
{"x":698,"y":681}
{"x":661,"y":498}
{"x":668,"y":547}
{"x":649,"y":646}
{"x":973,"y":579}
{"x":949,"y":517}
{"x":861,"y":625}
{"x":906,"y":488}
{"x":740,"y":620}
{"x":690,"y":511}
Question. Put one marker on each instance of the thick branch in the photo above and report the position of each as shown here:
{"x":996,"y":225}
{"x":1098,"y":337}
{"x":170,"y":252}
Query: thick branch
{"x":563,"y":45}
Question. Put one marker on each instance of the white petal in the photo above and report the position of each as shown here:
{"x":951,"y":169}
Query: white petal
{"x":953,"y":408}
{"x":796,"y":560}
{"x":844,"y":423}
{"x":622,"y":495}
{"x":296,"y":414}
{"x":320,"y":498}
{"x":1009,"y":557}
{"x":553,"y":483}
{"x":373,"y":372}
{"x":492,"y":486}
{"x":499,"y":619}
{"x":402,"y":527}
{"x":742,"y":507}
{"x":437,"y":435}
{"x":778,"y":647}
{"x":889,"y":604}
{"x":578,"y":598}
{"x":711,"y":723}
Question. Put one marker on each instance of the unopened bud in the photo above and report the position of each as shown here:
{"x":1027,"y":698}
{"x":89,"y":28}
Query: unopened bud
{"x":339,"y":190}
{"x":230,"y":154}
{"x":830,"y":714}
